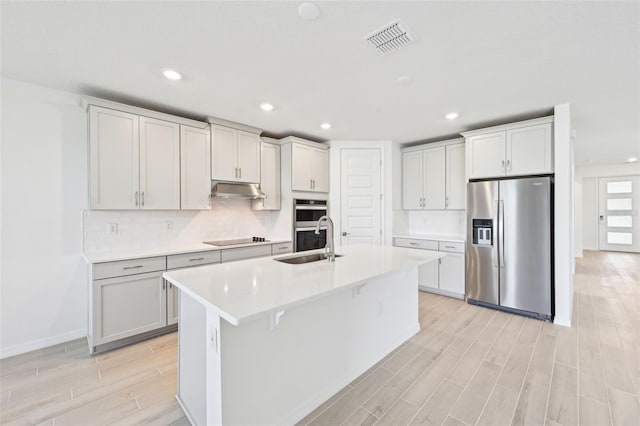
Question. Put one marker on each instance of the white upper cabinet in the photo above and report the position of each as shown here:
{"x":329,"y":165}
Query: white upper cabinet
{"x":113,"y":151}
{"x":320,"y":170}
{"x":529,"y":150}
{"x":146,"y":162}
{"x":248,"y":159}
{"x":412,"y":165}
{"x":159,"y":164}
{"x":309,"y":168}
{"x":269,"y":177}
{"x":235,"y":155}
{"x":224,"y":150}
{"x":517,"y":149}
{"x":433,"y":178}
{"x":195,"y":168}
{"x":456,"y":186}
{"x":486,"y":155}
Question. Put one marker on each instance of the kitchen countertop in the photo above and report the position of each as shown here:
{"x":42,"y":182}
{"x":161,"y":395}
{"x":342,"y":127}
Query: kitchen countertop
{"x":242,"y":291}
{"x":435,"y":237}
{"x":167,"y":251}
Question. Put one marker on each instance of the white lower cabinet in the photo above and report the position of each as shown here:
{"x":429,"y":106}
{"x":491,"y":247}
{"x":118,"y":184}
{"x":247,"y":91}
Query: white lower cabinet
{"x":127,"y":306}
{"x":173,"y":304}
{"x":447,"y":275}
{"x":130,"y":301}
{"x":451,"y":273}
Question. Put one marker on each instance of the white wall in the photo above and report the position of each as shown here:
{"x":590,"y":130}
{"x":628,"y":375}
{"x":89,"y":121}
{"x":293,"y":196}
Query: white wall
{"x":387,"y":187}
{"x":44,"y":190}
{"x":438,"y":222}
{"x":563,"y":214}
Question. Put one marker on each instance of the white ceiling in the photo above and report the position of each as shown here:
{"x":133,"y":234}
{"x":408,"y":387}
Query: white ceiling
{"x":492,"y":62}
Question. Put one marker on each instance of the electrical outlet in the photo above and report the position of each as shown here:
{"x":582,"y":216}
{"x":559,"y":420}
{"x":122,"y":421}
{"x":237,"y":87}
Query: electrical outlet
{"x":112,"y":228}
{"x":169,"y":224}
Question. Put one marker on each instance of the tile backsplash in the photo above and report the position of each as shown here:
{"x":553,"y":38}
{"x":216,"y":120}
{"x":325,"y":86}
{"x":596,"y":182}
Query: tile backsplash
{"x":106,"y":231}
{"x":444,"y":222}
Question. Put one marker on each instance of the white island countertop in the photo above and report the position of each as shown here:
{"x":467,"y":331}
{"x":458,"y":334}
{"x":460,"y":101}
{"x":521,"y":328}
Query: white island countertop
{"x":242,"y":291}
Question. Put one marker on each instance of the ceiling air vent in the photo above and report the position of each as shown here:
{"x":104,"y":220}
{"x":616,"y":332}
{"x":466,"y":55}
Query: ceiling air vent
{"x":390,"y":37}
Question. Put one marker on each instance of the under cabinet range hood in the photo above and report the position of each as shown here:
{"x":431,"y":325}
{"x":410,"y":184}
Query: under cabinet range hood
{"x":247,"y":191}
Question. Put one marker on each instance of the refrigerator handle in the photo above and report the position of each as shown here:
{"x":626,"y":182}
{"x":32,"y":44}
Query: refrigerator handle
{"x":501,"y":232}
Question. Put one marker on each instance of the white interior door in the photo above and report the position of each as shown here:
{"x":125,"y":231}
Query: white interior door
{"x":619,"y":217}
{"x":360,"y":196}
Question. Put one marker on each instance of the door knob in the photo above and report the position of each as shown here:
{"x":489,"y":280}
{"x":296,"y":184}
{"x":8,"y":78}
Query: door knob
{"x":344,"y":234}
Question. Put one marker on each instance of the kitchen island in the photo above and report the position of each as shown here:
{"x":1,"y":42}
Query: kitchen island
{"x":266,"y":342}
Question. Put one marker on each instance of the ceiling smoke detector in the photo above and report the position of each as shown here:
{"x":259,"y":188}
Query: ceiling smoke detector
{"x":390,"y":37}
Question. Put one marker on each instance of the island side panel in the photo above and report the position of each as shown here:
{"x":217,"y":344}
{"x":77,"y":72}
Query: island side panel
{"x":197,"y":355}
{"x":283,"y":372}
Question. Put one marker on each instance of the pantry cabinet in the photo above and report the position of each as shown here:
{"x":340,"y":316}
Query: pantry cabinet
{"x":195,"y":168}
{"x":433,"y":178}
{"x":309,"y":168}
{"x":235,"y":155}
{"x":523,"y":148}
{"x":269,"y":177}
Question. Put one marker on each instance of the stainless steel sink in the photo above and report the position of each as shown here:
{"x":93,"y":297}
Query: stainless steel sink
{"x":306,"y":258}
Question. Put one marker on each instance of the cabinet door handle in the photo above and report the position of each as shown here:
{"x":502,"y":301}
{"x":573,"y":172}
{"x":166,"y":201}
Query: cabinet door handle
{"x":449,"y":247}
{"x":235,"y":173}
{"x":135,"y":198}
{"x":196,"y":259}
{"x":282,"y":248}
{"x":170,"y":285}
{"x":239,"y":172}
{"x":508,"y":164}
{"x":446,"y":202}
{"x":413,"y":244}
{"x":142,"y":199}
{"x":133,"y":267}
{"x":164,"y":283}
{"x":502,"y":167}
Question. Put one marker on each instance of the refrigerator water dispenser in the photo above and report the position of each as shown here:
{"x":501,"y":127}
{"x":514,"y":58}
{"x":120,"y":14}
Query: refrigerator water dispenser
{"x":482,"y":232}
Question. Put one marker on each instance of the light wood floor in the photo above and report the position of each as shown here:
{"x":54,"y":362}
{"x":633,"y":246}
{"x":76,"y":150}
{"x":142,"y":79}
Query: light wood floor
{"x":468,"y":366}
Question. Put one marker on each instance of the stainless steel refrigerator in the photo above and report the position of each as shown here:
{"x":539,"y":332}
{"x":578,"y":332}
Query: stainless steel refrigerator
{"x":510,"y":245}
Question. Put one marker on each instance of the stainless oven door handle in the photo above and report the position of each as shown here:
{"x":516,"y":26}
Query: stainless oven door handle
{"x":306,"y":207}
{"x":313,"y":228}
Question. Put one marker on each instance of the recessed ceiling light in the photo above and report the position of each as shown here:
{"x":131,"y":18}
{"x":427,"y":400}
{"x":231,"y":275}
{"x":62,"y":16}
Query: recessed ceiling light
{"x":325,"y":126}
{"x":265,"y":106}
{"x":403,"y":79}
{"x":308,"y":11}
{"x":451,"y":116}
{"x":171,"y":74}
{"x":631,"y":160}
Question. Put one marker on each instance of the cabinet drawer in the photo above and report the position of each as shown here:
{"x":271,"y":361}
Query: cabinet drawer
{"x":128,"y":267}
{"x":193,"y":259}
{"x":281,"y":248}
{"x":419,"y":244}
{"x":451,"y":247}
{"x":240,"y":253}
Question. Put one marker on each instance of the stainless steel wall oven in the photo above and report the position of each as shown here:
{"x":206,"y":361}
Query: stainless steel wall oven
{"x":305,"y":219}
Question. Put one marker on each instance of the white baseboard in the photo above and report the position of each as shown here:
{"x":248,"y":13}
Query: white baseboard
{"x":33,"y":345}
